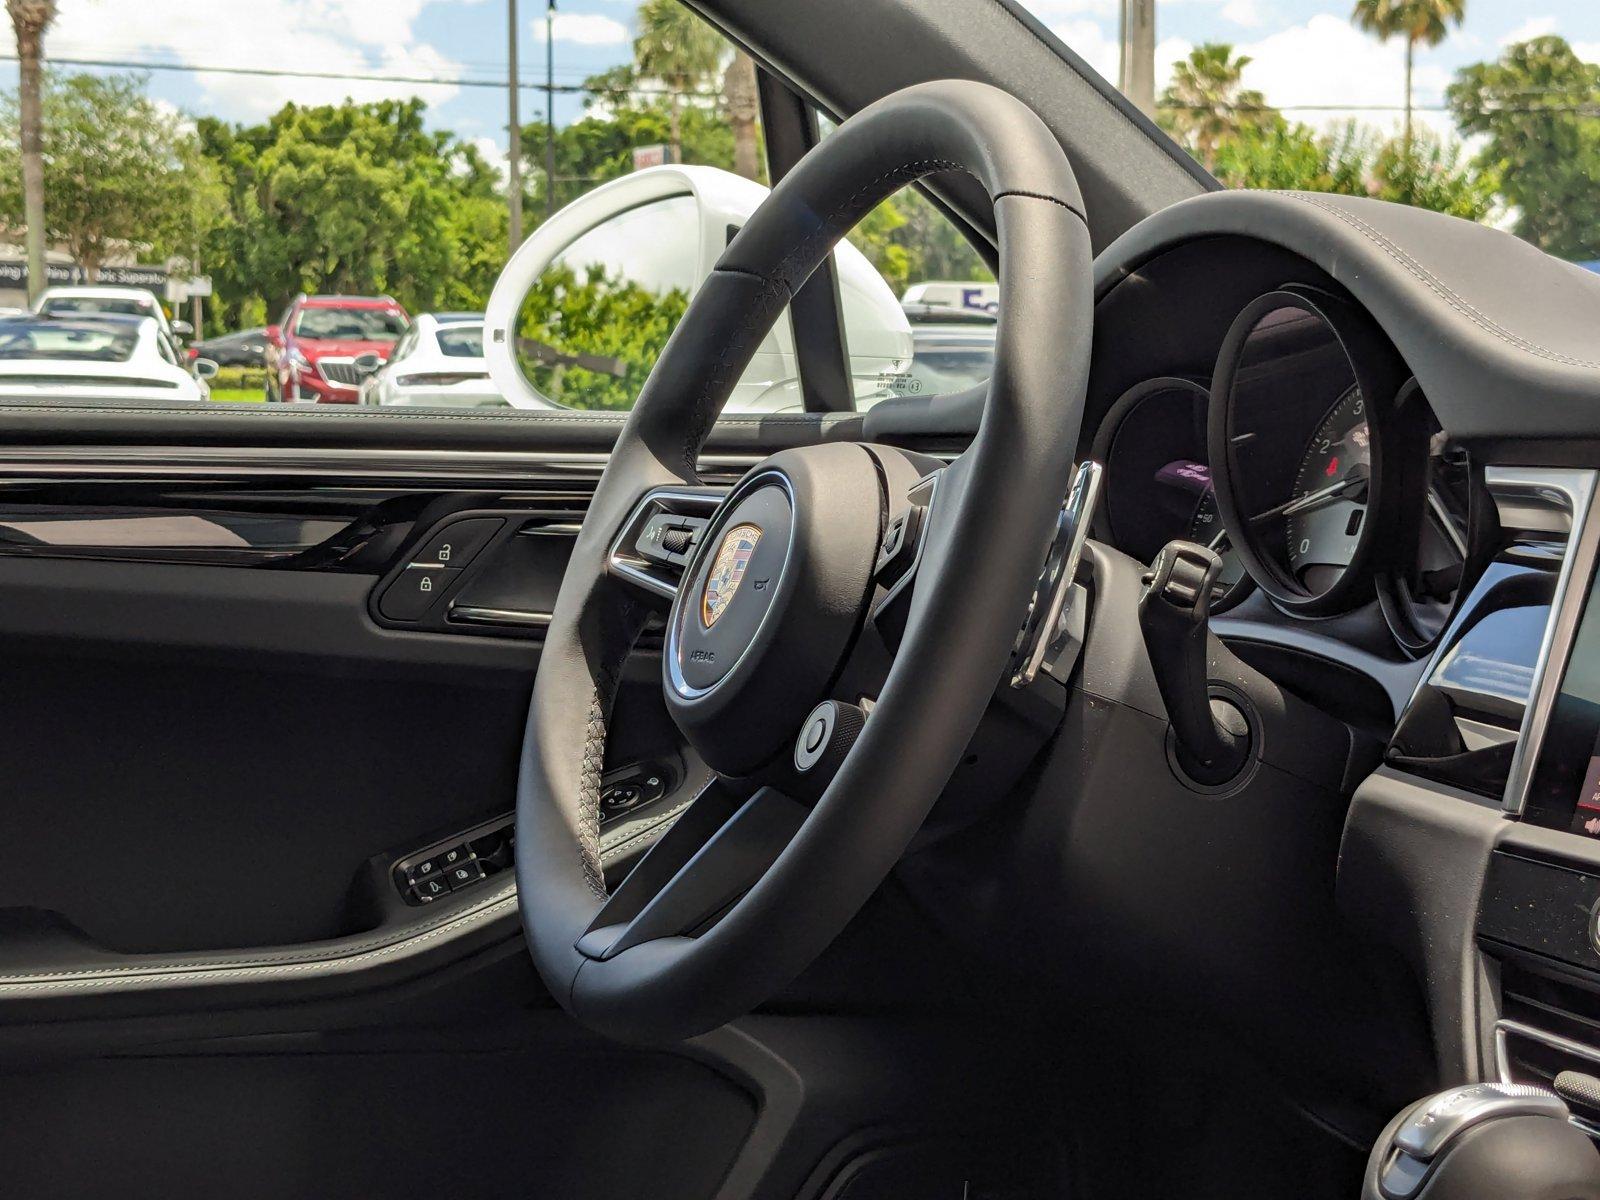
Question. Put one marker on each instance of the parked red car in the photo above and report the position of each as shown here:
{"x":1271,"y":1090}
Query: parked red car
{"x":312,"y":350}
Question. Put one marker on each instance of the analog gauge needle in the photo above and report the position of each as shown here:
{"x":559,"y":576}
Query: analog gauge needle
{"x":1350,"y":487}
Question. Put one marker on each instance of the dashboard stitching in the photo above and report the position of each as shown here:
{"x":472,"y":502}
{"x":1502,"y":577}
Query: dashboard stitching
{"x":1437,"y":287}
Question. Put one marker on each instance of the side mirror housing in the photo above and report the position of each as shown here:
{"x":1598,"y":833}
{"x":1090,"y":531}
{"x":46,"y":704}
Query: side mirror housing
{"x":368,"y":363}
{"x":206,"y":368}
{"x":182,"y":329}
{"x":663,"y":229}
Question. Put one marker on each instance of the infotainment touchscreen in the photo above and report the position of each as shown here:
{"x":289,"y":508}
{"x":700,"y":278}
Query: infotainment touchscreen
{"x":1565,"y":791}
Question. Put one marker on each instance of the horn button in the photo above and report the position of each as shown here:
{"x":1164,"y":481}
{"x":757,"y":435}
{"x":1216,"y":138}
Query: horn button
{"x":771,"y":602}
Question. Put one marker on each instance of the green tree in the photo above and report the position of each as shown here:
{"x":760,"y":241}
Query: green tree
{"x":29,"y":20}
{"x":1425,"y":21}
{"x":594,"y":148}
{"x":120,"y":173}
{"x":354,"y":198}
{"x":1207,"y":102}
{"x":908,"y":240}
{"x":1538,"y":107}
{"x":678,"y":48}
{"x":1354,"y":160}
{"x":590,"y":341}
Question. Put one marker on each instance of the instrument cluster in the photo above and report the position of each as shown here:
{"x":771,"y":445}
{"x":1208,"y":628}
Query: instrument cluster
{"x":1308,"y":460}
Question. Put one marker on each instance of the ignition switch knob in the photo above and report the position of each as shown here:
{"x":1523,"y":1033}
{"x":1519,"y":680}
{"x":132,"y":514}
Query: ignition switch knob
{"x":825,"y":738}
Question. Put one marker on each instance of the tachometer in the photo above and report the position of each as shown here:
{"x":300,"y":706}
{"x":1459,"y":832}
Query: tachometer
{"x":1323,"y":520}
{"x":1309,"y":453}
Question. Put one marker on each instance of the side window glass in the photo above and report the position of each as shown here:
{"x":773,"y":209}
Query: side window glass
{"x":946,"y":291}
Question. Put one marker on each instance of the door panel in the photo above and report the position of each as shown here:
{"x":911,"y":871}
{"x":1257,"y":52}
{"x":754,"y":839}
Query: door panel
{"x":215,"y":757}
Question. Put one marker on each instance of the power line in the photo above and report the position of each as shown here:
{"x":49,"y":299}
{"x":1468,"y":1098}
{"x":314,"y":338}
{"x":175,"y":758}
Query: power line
{"x":353,"y":76}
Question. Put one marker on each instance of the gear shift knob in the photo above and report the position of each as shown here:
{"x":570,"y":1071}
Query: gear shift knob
{"x":1484,"y":1141}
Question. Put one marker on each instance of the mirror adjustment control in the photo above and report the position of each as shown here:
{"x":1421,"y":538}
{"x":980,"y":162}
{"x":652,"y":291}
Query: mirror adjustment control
{"x":416,"y":590}
{"x":456,"y":544}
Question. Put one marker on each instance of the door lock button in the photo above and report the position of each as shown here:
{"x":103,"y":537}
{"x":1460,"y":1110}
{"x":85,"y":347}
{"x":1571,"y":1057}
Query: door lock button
{"x":458,"y":543}
{"x":415,"y":592}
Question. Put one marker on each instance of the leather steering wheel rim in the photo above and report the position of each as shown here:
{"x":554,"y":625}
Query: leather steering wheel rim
{"x":995,"y":510}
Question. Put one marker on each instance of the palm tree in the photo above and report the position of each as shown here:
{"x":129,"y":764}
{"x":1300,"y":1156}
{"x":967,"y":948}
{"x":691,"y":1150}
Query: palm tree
{"x":681,"y":50}
{"x":1425,"y":21}
{"x":29,"y":19}
{"x":1207,"y":102}
{"x":743,"y":100}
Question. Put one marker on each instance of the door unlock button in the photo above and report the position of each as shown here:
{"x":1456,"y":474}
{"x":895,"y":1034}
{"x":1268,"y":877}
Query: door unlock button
{"x":456,"y":544}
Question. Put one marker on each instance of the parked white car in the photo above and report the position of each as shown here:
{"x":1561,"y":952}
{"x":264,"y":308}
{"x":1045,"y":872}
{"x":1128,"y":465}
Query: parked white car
{"x":122,"y":359}
{"x":437,"y":363}
{"x":88,"y":301}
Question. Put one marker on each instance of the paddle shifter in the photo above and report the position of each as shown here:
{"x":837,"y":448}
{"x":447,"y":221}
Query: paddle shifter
{"x":1212,"y":736}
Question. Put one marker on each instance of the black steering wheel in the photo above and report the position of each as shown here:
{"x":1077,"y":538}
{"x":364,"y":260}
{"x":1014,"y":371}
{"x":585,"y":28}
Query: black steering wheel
{"x":779,"y":592}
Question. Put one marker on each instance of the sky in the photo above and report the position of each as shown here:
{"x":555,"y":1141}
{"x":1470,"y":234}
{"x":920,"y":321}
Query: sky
{"x":1305,"y":52}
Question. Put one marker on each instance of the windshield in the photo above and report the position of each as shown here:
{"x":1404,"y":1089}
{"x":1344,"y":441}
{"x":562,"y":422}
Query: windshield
{"x":350,"y":324}
{"x":64,"y":341}
{"x":1488,"y":110}
{"x":462,"y":341}
{"x":127,"y":306}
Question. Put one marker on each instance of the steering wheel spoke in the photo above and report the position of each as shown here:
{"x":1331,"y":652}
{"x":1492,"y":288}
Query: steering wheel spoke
{"x":655,"y":542}
{"x":700,"y":868}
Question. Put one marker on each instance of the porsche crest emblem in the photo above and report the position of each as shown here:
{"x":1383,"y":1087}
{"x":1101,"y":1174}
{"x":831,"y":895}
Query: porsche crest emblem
{"x":727,"y":571}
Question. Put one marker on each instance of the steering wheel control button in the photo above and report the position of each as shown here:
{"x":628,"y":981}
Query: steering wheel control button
{"x":668,"y":538}
{"x":899,"y":545}
{"x":458,"y":543}
{"x":826,"y":737}
{"x":414,"y":593}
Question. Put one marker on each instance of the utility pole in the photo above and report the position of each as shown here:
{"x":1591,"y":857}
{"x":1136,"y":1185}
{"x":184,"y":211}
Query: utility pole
{"x":550,"y":107}
{"x":514,"y":130}
{"x":1137,"y":68}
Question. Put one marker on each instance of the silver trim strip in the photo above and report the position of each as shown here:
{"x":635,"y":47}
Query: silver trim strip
{"x":472,"y":614}
{"x":553,"y":466}
{"x":1576,"y":491}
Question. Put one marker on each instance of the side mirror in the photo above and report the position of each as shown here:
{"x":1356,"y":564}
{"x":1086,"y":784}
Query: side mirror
{"x":182,"y":329}
{"x":368,"y":363}
{"x":646,"y":242}
{"x":206,"y":368}
{"x":274,"y":335}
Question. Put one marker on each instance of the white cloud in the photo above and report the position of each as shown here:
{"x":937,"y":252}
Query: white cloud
{"x":1588,"y":51}
{"x":1098,"y":47}
{"x":1327,"y":61}
{"x":1531,"y":28}
{"x":1244,"y":12}
{"x":355,"y":36}
{"x":1050,"y":10}
{"x":1091,"y":43}
{"x":584,"y":29}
